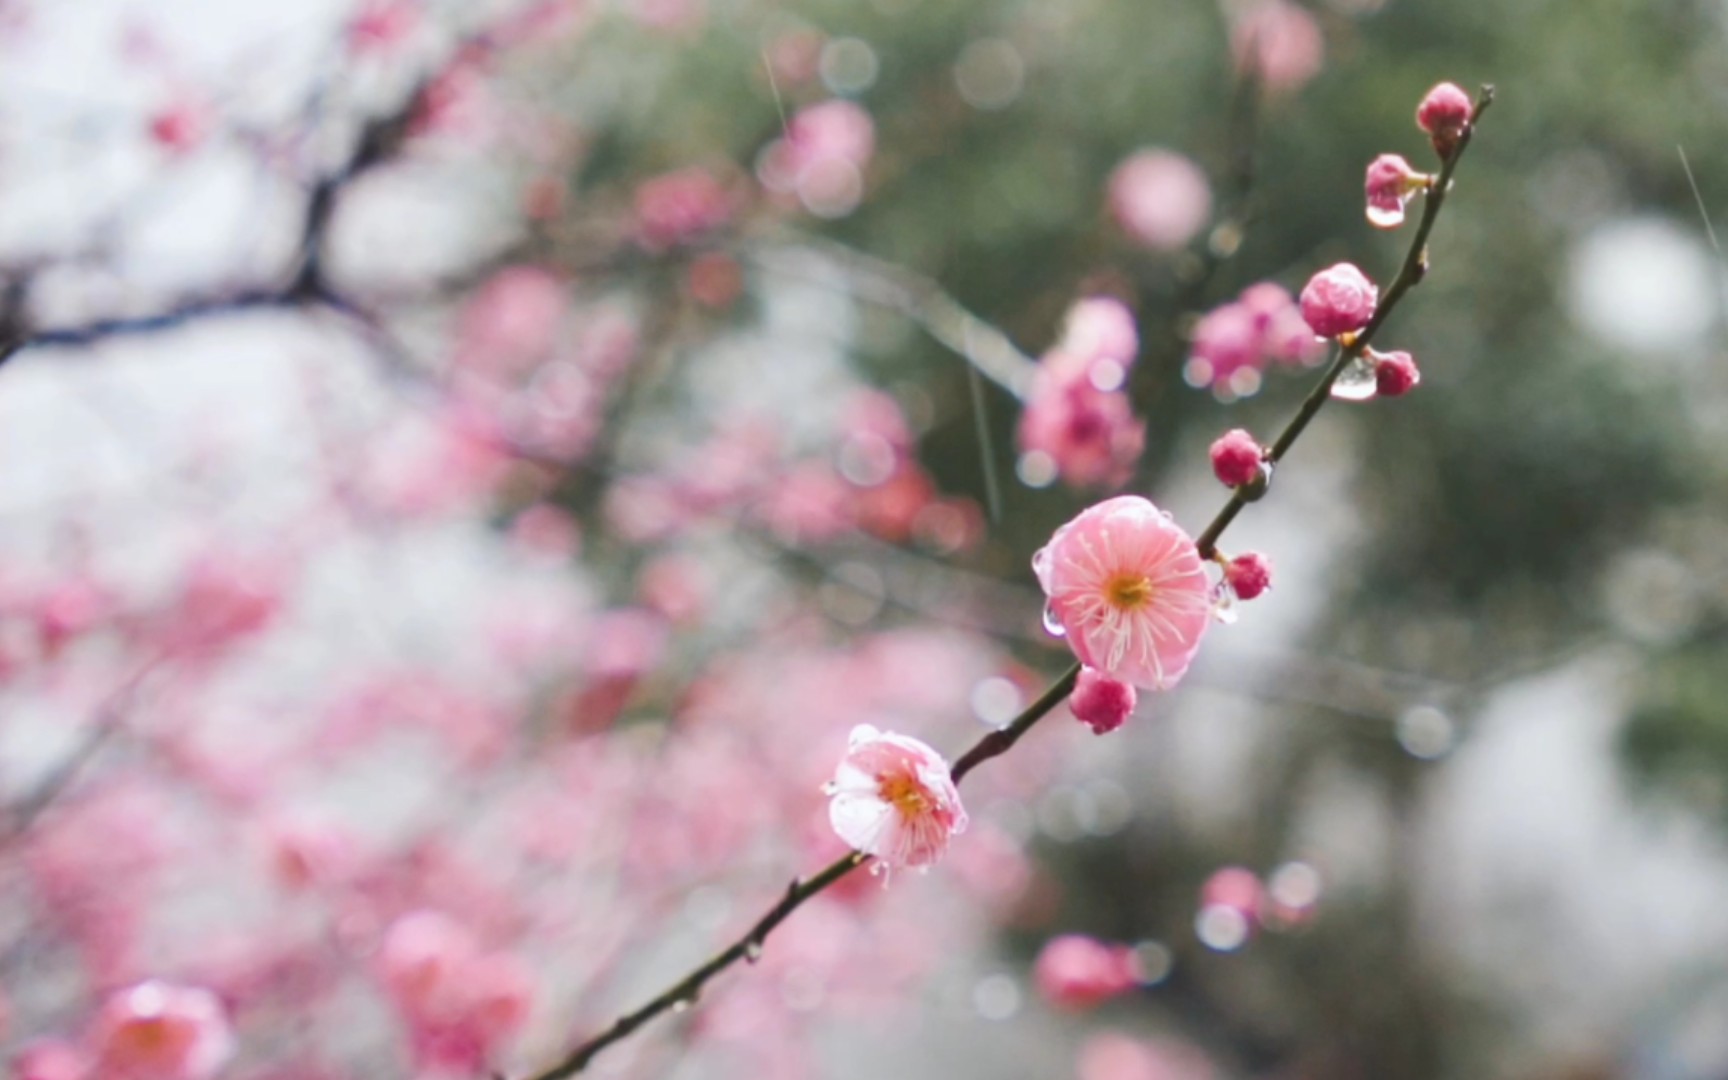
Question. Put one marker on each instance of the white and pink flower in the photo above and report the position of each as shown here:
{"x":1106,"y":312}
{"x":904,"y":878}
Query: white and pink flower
{"x":1129,"y":590}
{"x":893,"y":798}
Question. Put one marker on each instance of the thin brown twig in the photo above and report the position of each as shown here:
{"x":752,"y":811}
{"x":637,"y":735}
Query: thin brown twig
{"x":682,"y":994}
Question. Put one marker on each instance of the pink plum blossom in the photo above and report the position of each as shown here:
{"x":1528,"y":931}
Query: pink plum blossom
{"x":1100,"y":702}
{"x":1395,"y":373}
{"x":512,"y":321}
{"x":1233,"y":343}
{"x":460,"y":1002}
{"x":156,"y":1031}
{"x":1077,"y":972}
{"x":382,"y":25}
{"x":1236,"y":458}
{"x":1090,"y":434}
{"x":822,"y":157}
{"x":1444,"y":114}
{"x":1111,"y":1055}
{"x":893,"y":798}
{"x":1099,"y":329}
{"x":678,"y":207}
{"x":1249,"y":575}
{"x":1127,"y":586}
{"x":1389,"y":186}
{"x":1160,"y":199}
{"x":50,"y":1059}
{"x":181,"y":127}
{"x":1339,"y":300}
{"x":1279,"y":43}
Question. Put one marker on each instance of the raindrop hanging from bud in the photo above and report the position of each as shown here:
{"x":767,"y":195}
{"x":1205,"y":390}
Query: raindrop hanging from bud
{"x":1357,"y":382}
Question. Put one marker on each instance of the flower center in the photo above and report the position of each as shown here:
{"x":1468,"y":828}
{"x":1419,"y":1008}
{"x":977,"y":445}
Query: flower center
{"x":905,"y":794}
{"x":1128,"y":591}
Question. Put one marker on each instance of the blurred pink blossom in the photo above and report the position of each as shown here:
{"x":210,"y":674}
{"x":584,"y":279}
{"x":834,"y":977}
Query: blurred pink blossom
{"x":1077,"y":972}
{"x":679,"y":207}
{"x":380,"y":26}
{"x":1278,"y":43}
{"x":461,"y":1003}
{"x":1160,"y":199}
{"x":181,"y":126}
{"x":822,"y":157}
{"x":512,"y":321}
{"x":1110,"y":1055}
{"x":156,"y":1031}
{"x":50,"y":1059}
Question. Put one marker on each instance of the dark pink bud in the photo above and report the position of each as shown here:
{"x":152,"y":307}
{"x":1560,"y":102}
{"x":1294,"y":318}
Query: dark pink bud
{"x":1102,"y":703}
{"x":1444,"y":114}
{"x":1391,"y":183}
{"x":1339,"y":300}
{"x":1249,"y":575}
{"x":1394,"y":373}
{"x":1236,"y":458}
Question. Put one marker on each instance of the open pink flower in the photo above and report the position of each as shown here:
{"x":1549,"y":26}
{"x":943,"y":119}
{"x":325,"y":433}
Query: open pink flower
{"x":893,"y":798}
{"x":155,"y":1031}
{"x":1127,"y":586}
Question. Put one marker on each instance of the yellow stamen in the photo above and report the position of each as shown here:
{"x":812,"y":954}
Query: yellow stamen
{"x":1128,"y":591}
{"x":904,"y":794}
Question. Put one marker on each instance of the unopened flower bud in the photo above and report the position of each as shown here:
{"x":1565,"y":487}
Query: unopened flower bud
{"x":1102,"y":703}
{"x":1236,"y":458}
{"x":1249,"y":575}
{"x":1444,"y":114}
{"x":1390,"y":185}
{"x":1394,"y":373}
{"x":1339,"y":300}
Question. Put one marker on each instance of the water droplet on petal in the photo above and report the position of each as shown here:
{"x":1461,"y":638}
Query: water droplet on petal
{"x":1356,"y":382}
{"x":1053,"y":623}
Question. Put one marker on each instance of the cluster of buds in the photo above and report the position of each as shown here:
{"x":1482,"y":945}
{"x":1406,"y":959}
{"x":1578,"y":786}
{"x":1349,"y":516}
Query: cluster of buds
{"x":1340,"y":301}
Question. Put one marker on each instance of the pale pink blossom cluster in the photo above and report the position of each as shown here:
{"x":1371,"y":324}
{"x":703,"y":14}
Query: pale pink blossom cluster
{"x":1233,"y":344}
{"x":1078,"y":424}
{"x":869,"y":478}
{"x":460,"y":1002}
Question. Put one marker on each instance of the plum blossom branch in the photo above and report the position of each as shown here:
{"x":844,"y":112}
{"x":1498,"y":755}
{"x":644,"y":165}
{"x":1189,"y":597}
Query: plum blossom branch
{"x":683,"y":993}
{"x":1410,"y":274}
